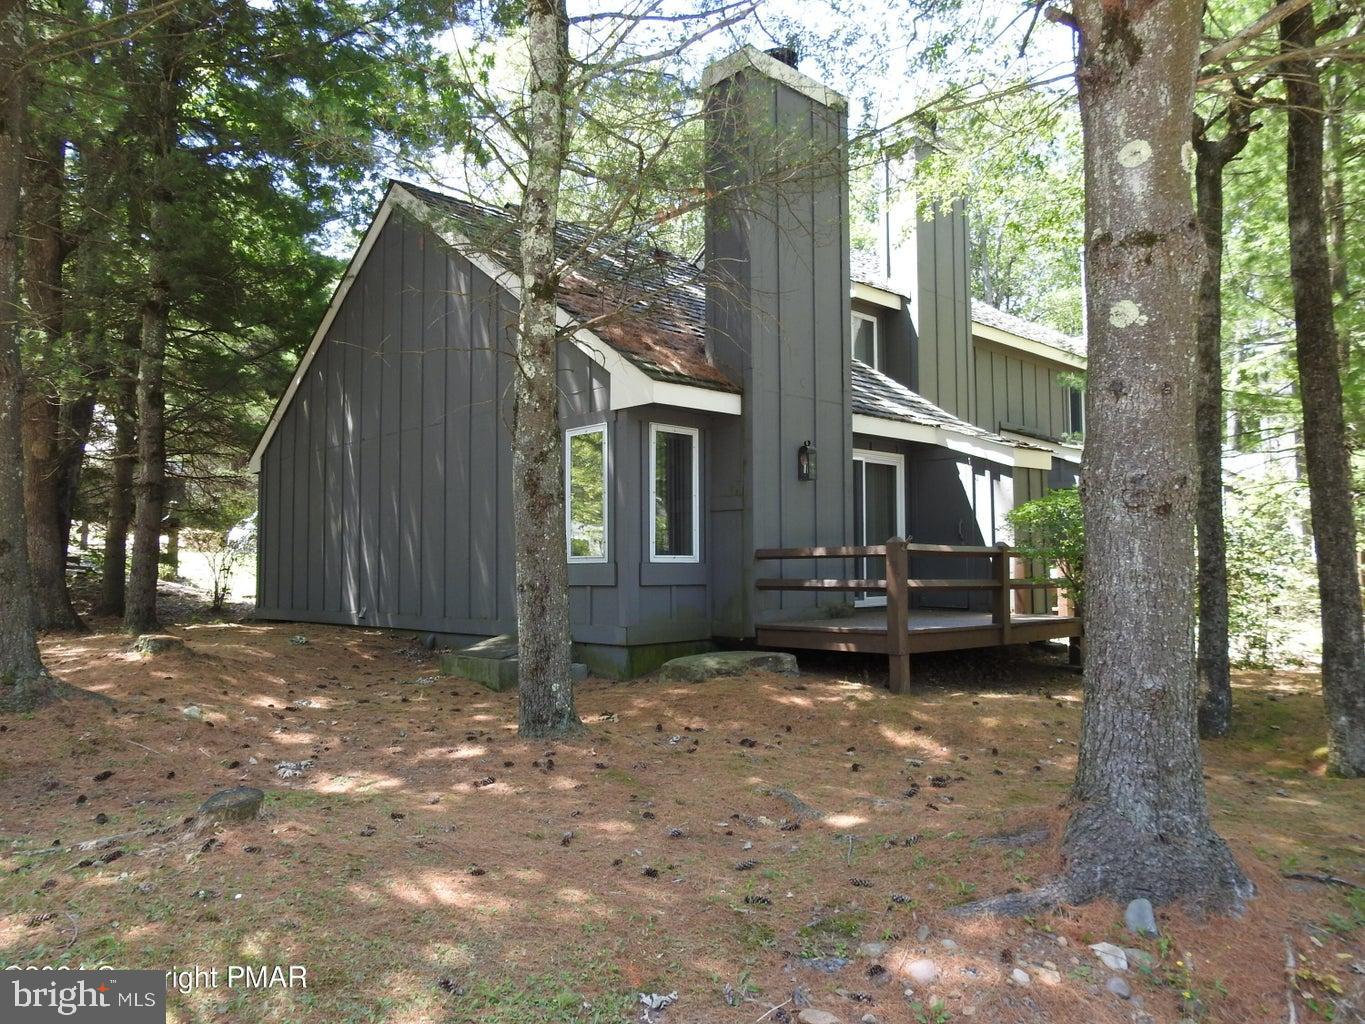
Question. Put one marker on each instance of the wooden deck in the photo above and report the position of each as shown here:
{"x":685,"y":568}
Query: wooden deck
{"x":929,"y":629}
{"x":898,"y":630}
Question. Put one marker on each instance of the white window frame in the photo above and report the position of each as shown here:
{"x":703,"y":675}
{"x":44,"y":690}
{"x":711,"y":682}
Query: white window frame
{"x":668,"y":428}
{"x":896,"y":460}
{"x":591,"y":428}
{"x":876,"y":336}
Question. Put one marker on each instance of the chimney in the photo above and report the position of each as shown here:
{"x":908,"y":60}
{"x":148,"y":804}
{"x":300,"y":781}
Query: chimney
{"x":777,"y":317}
{"x":897,"y":239}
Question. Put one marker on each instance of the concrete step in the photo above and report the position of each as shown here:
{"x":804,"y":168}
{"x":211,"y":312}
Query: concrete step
{"x":493,"y":663}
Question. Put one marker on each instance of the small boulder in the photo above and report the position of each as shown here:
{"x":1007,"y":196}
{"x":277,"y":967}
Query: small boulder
{"x":158,"y":643}
{"x":1140,"y":918}
{"x":240,"y":803}
{"x":697,"y":667}
{"x":922,"y":972}
{"x":298,"y":640}
{"x":810,"y":1015}
{"x":1119,"y":987}
{"x":1049,"y":975}
{"x":1111,"y":956}
{"x":1020,"y":977}
{"x":872,"y":949}
{"x":194,"y":713}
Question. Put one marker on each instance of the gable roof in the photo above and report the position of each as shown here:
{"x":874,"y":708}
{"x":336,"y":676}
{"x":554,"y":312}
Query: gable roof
{"x":984,"y":313}
{"x":652,"y":303}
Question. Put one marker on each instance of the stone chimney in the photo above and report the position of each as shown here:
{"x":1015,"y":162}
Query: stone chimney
{"x":777,"y":319}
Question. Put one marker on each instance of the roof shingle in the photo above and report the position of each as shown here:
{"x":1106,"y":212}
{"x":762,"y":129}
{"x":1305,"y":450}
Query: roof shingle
{"x":648,"y":304}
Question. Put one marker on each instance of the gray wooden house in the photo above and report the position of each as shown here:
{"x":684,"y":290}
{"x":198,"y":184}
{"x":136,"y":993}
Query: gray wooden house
{"x":772,"y":395}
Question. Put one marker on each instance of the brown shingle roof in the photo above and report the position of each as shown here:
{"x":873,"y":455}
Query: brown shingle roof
{"x":648,"y":304}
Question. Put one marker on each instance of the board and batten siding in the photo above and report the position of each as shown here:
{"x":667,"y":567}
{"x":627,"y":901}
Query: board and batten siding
{"x":1014,"y":389}
{"x":943,"y":371}
{"x":385,"y":492}
{"x":778,"y":312}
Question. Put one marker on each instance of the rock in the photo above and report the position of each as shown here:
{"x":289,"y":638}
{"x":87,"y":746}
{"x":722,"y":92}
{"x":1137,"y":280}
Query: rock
{"x":696,"y":667}
{"x":1139,"y":958}
{"x":1020,"y":977}
{"x":298,"y":640}
{"x":922,"y":972}
{"x":1111,"y":956}
{"x":872,"y":949}
{"x":1140,"y":918}
{"x":1119,"y":987}
{"x":810,"y":1015}
{"x":922,"y":932}
{"x":158,"y":643}
{"x":1049,"y":976}
{"x":947,"y":943}
{"x":868,"y":1018}
{"x":240,"y":803}
{"x":194,"y":713}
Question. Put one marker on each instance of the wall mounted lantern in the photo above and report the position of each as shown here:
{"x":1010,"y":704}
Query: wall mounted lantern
{"x":805,"y":462}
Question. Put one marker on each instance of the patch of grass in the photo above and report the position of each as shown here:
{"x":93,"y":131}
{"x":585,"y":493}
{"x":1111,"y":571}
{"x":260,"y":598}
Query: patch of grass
{"x":833,"y":934}
{"x":541,"y":999}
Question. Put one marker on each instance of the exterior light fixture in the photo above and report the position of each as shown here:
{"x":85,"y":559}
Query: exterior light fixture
{"x":805,"y":462}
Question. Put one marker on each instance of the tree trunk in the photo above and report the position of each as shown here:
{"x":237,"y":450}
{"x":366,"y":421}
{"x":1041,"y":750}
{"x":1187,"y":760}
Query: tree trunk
{"x":546,"y":706}
{"x":1326,"y":454}
{"x":139,"y":615}
{"x":42,"y":405}
{"x":1140,"y":826}
{"x":1214,"y":673}
{"x":24,"y":683}
{"x":122,"y":463}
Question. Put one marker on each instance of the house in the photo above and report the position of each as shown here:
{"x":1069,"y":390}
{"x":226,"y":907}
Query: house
{"x":776,"y":396}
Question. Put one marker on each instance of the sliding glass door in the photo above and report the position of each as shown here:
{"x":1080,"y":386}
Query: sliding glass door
{"x":878,"y":511}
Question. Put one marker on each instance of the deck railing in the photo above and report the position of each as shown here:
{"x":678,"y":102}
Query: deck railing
{"x":898,"y":585}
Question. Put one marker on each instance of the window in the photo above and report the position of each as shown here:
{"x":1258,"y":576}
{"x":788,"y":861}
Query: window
{"x":866,"y":343}
{"x":1076,"y":399}
{"x":673,"y":493}
{"x":585,"y":490}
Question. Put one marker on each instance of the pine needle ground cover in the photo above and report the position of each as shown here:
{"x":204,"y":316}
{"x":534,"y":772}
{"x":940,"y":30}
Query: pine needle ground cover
{"x":757,"y":845}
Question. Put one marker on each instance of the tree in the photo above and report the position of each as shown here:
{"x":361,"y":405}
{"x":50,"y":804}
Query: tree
{"x":546,"y":706}
{"x":1140,"y":824}
{"x":1326,"y":451}
{"x":24,"y":682}
{"x":45,"y":255}
{"x":163,"y":90}
{"x":1212,"y":155}
{"x":21,"y":670}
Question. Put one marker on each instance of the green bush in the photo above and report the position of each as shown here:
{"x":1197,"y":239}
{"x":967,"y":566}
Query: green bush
{"x":1050,"y":530}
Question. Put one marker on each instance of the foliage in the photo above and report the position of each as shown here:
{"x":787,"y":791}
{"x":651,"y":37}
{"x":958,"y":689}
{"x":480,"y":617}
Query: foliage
{"x":224,"y":553}
{"x":1050,"y":530}
{"x":1017,"y":161}
{"x":1271,"y":596}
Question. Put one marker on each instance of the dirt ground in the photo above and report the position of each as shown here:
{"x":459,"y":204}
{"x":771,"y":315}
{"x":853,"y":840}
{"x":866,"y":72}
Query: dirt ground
{"x":424,"y":865}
